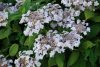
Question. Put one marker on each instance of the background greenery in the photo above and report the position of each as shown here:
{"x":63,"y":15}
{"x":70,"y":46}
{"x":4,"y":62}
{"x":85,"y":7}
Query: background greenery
{"x":13,"y":40}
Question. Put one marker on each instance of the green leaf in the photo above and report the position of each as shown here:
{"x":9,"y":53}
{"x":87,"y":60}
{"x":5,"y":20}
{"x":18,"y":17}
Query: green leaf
{"x":95,"y":29}
{"x":14,"y":16}
{"x":16,"y":27}
{"x":25,"y":7}
{"x":88,"y":14}
{"x":96,"y":19}
{"x":92,"y":58}
{"x":4,"y":33}
{"x":44,"y":62}
{"x":22,"y":39}
{"x":10,"y":1}
{"x":73,"y":58}
{"x":30,"y":40}
{"x":86,"y":54}
{"x":97,"y":48}
{"x":80,"y":63}
{"x":99,"y":59}
{"x":51,"y":62}
{"x":60,"y":60}
{"x":13,"y":49}
{"x":87,"y":44}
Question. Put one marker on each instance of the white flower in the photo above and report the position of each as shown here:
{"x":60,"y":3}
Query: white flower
{"x":77,"y":13}
{"x":54,"y":42}
{"x":80,"y":4}
{"x":25,"y":60}
{"x":66,"y":3}
{"x":12,"y":9}
{"x":35,"y":20}
{"x":81,"y":27}
{"x":3,"y":24}
{"x":88,"y":29}
{"x":85,"y":33}
{"x":96,"y":3}
{"x":90,"y":3}
{"x":38,"y":64}
{"x":85,"y":3}
{"x":3,"y":18}
{"x":26,"y":32}
{"x":4,"y":62}
{"x":52,"y":53}
{"x":20,"y":1}
{"x":28,"y":52}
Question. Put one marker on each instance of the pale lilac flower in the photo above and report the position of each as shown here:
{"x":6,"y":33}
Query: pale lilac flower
{"x":3,"y":18}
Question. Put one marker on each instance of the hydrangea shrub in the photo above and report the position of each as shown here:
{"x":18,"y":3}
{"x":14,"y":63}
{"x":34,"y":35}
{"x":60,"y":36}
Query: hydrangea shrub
{"x":49,"y":33}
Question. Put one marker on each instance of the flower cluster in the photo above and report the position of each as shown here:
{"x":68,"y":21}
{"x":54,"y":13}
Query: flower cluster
{"x":81,"y":27}
{"x":25,"y":60}
{"x":3,"y":18}
{"x":4,"y":62}
{"x":35,"y":20}
{"x":19,"y":3}
{"x":69,"y":15}
{"x":3,"y":14}
{"x":7,"y":7}
{"x":13,"y":9}
{"x":80,"y":4}
{"x":54,"y":42}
